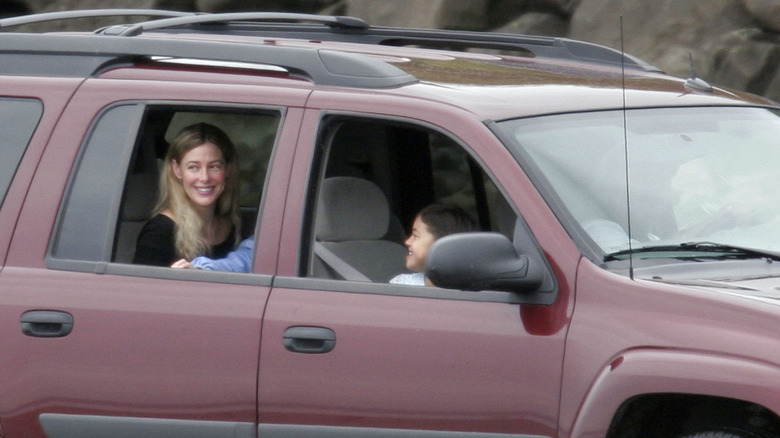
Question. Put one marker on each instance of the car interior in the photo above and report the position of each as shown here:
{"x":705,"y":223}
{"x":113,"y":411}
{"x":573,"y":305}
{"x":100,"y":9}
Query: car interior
{"x":398,"y":167}
{"x":375,"y":176}
{"x":253,"y":134}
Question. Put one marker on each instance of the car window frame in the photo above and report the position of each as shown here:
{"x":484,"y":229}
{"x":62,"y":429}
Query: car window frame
{"x":317,"y":170}
{"x":105,"y":265}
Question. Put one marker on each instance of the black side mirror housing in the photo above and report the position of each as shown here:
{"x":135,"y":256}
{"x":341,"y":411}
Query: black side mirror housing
{"x":484,"y":261}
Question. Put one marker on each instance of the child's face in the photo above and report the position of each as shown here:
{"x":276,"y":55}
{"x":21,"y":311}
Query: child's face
{"x":418,"y":244}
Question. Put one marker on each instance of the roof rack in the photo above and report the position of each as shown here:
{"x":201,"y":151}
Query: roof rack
{"x":226,"y":18}
{"x":350,"y":29}
{"x":538,"y":46}
{"x":347,"y":29}
{"x":88,"y":13}
{"x":88,"y":55}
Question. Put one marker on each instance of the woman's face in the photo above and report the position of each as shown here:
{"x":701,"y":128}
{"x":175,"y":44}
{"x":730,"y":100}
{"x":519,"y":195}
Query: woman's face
{"x":202,"y":172}
{"x":418,"y":244}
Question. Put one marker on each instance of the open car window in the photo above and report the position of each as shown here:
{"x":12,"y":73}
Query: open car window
{"x":110,"y":204}
{"x":376,"y":175}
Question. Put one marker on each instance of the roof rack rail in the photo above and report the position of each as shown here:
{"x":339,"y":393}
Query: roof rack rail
{"x":352,"y":29}
{"x":226,"y":18}
{"x":88,"y":55}
{"x":88,"y":13}
{"x":538,"y":46}
{"x":349,"y":29}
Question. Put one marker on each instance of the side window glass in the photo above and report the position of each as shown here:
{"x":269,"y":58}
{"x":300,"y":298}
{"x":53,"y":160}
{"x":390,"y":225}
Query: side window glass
{"x":377,"y":175}
{"x":85,"y":226}
{"x":111,"y":204}
{"x":18,"y":119}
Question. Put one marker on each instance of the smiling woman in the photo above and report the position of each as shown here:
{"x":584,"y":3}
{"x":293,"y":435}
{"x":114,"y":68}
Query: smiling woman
{"x":197,"y":209}
{"x":202,"y":173}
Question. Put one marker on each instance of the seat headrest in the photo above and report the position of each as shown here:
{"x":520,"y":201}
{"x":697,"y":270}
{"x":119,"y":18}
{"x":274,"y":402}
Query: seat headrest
{"x":351,"y":209}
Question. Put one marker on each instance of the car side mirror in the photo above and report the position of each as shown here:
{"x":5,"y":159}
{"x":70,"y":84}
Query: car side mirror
{"x":482,"y":261}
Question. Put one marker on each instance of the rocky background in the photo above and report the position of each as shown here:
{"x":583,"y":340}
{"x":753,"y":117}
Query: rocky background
{"x":734,"y":43}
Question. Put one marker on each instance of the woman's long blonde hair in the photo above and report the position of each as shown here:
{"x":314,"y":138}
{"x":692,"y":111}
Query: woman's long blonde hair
{"x":189,"y":237}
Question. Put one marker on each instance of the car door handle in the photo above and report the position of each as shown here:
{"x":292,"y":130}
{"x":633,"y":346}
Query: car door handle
{"x":309,"y":340}
{"x":47,"y":323}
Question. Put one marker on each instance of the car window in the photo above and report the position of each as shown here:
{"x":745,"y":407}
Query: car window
{"x":18,"y":119}
{"x":376,"y":176}
{"x":663,"y":177}
{"x":110,"y":203}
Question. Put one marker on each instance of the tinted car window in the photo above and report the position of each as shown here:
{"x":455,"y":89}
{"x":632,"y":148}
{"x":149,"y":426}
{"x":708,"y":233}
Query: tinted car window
{"x":95,"y":188}
{"x":18,"y":119}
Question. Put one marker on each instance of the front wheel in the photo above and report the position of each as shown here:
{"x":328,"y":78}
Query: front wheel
{"x":724,"y":434}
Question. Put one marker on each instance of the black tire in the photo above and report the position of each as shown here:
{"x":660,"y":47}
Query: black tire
{"x":723,"y":434}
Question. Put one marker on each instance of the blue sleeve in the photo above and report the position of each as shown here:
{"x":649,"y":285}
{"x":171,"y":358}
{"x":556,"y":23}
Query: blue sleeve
{"x":239,"y":260}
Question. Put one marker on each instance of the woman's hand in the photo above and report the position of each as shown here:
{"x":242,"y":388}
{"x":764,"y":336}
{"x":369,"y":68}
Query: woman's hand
{"x":182,"y":264}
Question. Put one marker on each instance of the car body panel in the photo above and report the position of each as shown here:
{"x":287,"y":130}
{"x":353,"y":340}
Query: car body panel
{"x":151,"y":362}
{"x":408,"y":363}
{"x":671,"y":335}
{"x":636,"y":372}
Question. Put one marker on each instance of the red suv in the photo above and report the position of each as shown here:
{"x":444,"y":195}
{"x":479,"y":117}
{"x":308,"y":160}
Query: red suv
{"x":624,"y":282}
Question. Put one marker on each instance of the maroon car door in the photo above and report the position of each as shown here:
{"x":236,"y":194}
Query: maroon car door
{"x":96,"y":346}
{"x":343,"y":357}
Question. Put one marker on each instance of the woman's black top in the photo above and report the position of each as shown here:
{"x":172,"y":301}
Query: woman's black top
{"x":155,"y":245}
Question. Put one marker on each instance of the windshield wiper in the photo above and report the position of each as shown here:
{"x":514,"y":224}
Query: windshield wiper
{"x":693,"y":250}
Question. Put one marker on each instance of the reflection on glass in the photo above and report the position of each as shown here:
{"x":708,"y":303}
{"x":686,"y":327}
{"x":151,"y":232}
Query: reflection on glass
{"x":687,"y":174}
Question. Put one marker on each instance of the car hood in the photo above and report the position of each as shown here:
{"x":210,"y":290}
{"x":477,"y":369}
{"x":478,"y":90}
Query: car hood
{"x":764,"y":288}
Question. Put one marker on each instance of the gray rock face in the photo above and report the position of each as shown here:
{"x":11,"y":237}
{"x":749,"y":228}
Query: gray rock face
{"x":662,"y":32}
{"x":439,"y":14}
{"x":734,"y":43}
{"x":746,"y":59}
{"x":727,"y":46}
{"x":766,"y":12}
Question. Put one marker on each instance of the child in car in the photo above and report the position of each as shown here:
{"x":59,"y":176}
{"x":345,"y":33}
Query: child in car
{"x":431,"y":223}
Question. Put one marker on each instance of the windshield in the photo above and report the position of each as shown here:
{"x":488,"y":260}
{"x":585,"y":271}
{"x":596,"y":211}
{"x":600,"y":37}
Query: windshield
{"x":672,"y":176}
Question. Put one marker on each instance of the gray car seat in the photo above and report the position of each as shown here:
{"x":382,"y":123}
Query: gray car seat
{"x":352,"y":217}
{"x":139,"y":199}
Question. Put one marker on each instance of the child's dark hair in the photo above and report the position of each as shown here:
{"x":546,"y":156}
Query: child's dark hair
{"x":442,"y":220}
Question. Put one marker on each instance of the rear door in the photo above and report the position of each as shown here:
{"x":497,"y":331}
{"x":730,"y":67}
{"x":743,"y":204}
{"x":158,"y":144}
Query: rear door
{"x":95,"y":346}
{"x":26,"y":121}
{"x":354,"y":358}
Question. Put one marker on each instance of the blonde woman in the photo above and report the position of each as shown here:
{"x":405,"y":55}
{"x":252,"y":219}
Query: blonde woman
{"x":197,"y":209}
